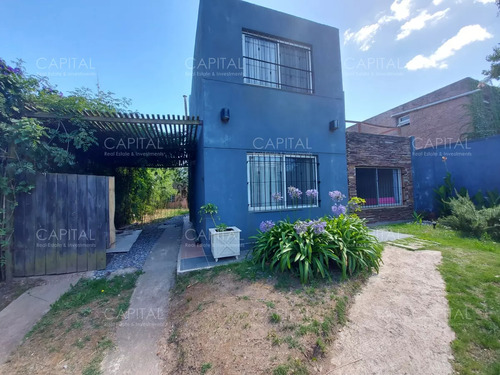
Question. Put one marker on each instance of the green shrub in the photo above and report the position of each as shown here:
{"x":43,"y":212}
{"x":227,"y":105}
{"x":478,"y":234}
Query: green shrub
{"x":466,"y":219}
{"x":311,"y":247}
{"x":492,"y":219}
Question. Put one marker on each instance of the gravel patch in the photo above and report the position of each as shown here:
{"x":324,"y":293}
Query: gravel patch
{"x":399,"y":322}
{"x":140,"y":250}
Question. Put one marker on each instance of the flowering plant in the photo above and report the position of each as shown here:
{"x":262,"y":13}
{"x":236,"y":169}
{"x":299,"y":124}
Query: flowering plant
{"x":337,"y":208}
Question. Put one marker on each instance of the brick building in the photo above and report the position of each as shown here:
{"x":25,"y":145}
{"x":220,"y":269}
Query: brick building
{"x":379,"y":169}
{"x":438,"y":118}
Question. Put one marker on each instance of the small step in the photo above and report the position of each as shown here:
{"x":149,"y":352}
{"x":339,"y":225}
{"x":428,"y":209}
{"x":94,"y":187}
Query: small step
{"x":124,"y":241}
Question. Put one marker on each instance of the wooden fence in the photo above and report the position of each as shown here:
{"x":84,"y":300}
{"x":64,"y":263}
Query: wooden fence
{"x":63,"y":225}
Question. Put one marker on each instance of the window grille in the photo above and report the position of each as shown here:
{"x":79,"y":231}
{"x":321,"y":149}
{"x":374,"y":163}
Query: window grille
{"x":270,"y":176}
{"x":379,"y":186}
{"x":276,"y":63}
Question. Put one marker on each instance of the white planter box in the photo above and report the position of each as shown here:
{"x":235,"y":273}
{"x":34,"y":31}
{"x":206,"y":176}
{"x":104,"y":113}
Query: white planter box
{"x":225,"y":244}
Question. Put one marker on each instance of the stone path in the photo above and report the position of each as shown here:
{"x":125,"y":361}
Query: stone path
{"x":138,"y":333}
{"x":399,"y":322}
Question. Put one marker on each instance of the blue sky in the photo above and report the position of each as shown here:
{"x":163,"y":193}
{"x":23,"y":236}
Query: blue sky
{"x":392,"y":50}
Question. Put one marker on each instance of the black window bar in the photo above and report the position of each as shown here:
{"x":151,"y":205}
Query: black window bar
{"x":277,"y":64}
{"x":270,"y":176}
{"x":380,"y":187}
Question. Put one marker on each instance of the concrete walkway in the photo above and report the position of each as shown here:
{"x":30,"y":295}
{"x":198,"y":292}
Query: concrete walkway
{"x":20,"y":315}
{"x":138,"y":334}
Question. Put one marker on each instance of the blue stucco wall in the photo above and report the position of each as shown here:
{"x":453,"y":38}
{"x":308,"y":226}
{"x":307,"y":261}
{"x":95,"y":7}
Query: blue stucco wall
{"x":261,"y":116}
{"x":474,"y":165}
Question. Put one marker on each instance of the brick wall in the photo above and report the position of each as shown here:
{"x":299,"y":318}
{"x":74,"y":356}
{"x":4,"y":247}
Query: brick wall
{"x":369,"y":150}
{"x":439,"y":124}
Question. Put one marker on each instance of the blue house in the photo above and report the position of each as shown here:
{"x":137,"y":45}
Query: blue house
{"x":268,"y":87}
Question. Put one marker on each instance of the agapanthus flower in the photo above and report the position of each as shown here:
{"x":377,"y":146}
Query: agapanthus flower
{"x":338,"y":209}
{"x":312,"y":193}
{"x":300,"y":227}
{"x":318,"y":226}
{"x":277,"y":197}
{"x":294,"y":192}
{"x":336,"y":195}
{"x":266,"y":225}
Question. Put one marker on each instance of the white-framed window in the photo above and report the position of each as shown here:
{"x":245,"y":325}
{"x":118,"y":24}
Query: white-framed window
{"x":269,"y":175}
{"x":404,"y":120}
{"x":379,"y":186}
{"x":273,"y":62}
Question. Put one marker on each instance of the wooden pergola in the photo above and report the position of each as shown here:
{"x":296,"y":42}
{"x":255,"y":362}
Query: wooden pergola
{"x":132,"y":139}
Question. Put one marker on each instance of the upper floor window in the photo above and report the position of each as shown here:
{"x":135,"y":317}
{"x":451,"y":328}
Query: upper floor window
{"x":276,"y":63}
{"x":404,"y":120}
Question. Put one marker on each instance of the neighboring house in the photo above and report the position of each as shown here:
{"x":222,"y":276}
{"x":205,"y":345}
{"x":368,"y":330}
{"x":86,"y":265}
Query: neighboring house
{"x":380,"y":171}
{"x":441,"y":117}
{"x":268,"y":87}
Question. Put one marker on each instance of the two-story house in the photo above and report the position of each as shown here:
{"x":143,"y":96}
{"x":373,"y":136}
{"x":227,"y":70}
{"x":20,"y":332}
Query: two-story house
{"x":268,"y":87}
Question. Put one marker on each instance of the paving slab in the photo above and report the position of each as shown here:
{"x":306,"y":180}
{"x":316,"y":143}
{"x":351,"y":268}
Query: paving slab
{"x":142,"y":326}
{"x":124,"y":241}
{"x":385,"y":235}
{"x":20,"y":316}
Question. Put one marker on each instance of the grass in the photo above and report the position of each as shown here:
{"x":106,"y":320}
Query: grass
{"x":471,"y":270}
{"x":205,"y":367}
{"x":163,"y":214}
{"x":80,"y":322}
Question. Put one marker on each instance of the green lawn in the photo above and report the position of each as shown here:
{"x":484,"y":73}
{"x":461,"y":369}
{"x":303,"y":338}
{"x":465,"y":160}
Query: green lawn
{"x":471,"y":270}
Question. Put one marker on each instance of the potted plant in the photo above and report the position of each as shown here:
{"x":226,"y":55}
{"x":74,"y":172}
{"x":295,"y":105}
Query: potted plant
{"x":224,"y":240}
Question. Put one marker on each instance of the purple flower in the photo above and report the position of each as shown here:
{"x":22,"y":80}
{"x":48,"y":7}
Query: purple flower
{"x":293,"y":192}
{"x":266,"y":225}
{"x":312,"y":193}
{"x":338,"y":210}
{"x":300,"y":227}
{"x":277,"y":197}
{"x":10,"y":69}
{"x":336,"y":195}
{"x":60,"y":94}
{"x":319,"y":226}
{"x":17,"y":71}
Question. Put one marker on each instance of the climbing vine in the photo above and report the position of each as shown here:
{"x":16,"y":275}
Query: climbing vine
{"x":29,"y":145}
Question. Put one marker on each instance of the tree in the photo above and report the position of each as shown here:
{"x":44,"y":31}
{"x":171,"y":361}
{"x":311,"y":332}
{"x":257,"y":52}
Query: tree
{"x":494,"y":59}
{"x":29,"y":145}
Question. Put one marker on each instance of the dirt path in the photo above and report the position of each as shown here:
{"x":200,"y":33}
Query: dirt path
{"x":399,"y":323}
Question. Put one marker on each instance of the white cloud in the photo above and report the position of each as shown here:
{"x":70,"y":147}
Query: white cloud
{"x":401,"y":9}
{"x":419,"y":22}
{"x":437,"y":2}
{"x":484,"y":1}
{"x":466,"y":35}
{"x":364,"y":37}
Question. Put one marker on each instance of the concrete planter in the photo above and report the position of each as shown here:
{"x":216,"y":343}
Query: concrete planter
{"x":225,"y":244}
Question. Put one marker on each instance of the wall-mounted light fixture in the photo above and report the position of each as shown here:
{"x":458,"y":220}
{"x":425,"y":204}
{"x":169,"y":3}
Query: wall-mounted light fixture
{"x":224,"y":115}
{"x":334,"y":125}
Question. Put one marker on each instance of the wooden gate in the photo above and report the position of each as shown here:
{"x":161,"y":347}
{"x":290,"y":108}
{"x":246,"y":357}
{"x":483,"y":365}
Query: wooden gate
{"x":63,"y":225}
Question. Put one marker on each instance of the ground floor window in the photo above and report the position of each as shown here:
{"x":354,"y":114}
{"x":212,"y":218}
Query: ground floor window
{"x":270,"y":175}
{"x":379,"y":186}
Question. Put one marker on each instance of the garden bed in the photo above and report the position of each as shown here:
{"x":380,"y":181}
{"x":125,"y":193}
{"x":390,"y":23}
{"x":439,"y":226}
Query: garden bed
{"x":237,"y":319}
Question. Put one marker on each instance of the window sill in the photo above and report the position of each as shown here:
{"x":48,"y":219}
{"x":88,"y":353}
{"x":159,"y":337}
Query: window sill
{"x":284,"y":209}
{"x":385,"y":207}
{"x":279,"y":89}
